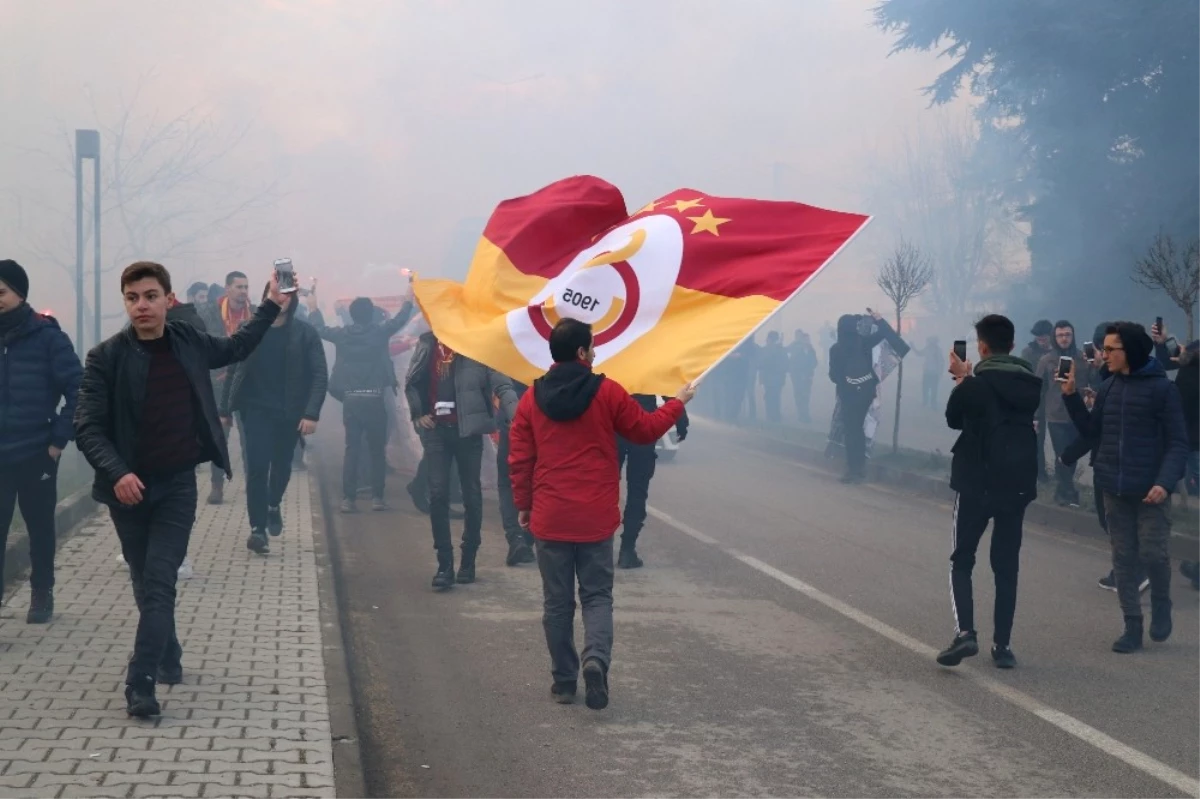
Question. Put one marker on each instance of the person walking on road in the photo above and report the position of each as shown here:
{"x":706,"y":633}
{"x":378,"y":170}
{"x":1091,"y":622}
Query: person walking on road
{"x":1054,"y":413}
{"x":802,"y":365}
{"x":638,"y":462}
{"x":279,"y":391}
{"x":450,"y":398}
{"x":38,"y":370}
{"x":1137,"y":429}
{"x":1038,"y":348}
{"x":994,"y":476}
{"x":564,"y":442}
{"x":772,"y":373}
{"x":146,"y":417}
{"x":364,"y":381}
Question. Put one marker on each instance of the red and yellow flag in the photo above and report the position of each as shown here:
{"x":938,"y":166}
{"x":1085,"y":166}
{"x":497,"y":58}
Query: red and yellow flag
{"x":668,"y":291}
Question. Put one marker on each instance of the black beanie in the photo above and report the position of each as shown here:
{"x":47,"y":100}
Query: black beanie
{"x":13,"y":276}
{"x":1099,"y":333}
{"x":362,"y":310}
{"x":1137,"y":343}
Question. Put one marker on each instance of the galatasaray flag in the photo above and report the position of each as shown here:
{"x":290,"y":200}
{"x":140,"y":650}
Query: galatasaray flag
{"x":669,"y":290}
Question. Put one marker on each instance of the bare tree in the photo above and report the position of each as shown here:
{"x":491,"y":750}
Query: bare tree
{"x":1177,"y":274}
{"x":166,"y":194}
{"x":903,"y":277}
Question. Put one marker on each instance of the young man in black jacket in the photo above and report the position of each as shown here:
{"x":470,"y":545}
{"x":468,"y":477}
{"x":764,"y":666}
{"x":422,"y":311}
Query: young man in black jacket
{"x":363,"y":380}
{"x":994,"y":476}
{"x":1137,"y":430}
{"x":279,"y":392}
{"x":144,"y":420}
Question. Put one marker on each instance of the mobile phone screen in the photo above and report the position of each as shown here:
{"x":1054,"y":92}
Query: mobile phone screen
{"x":1064,"y":367}
{"x":1089,"y":350}
{"x":960,"y":349}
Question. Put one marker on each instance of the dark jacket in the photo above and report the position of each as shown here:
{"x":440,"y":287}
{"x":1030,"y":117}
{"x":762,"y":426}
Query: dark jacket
{"x":38,"y":368}
{"x":362,"y":361}
{"x":851,"y":358}
{"x":186,"y":312}
{"x":1137,"y":430}
{"x":307,"y":376}
{"x":113,"y":391}
{"x":802,"y":361}
{"x":1188,"y":383}
{"x":563,"y":451}
{"x":772,"y":365}
{"x":995,"y":408}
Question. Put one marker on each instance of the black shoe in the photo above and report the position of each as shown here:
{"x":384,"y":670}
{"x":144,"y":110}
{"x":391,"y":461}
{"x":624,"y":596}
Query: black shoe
{"x":169,"y":675}
{"x":140,"y":701}
{"x":444,"y":578}
{"x":1108,"y":582}
{"x":257,"y":542}
{"x":419,"y":499}
{"x":1160,"y":620}
{"x":518,"y":553}
{"x":1191,"y":570}
{"x":628,"y":559}
{"x":965,"y":645}
{"x":595,"y":678}
{"x":1131,"y":639}
{"x":466,"y":569}
{"x":564,"y":692}
{"x":1004,"y":657}
{"x":274,"y":521}
{"x":41,"y":607}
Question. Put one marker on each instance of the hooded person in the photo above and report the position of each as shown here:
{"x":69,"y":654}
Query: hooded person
{"x":1057,"y":422}
{"x":852,"y":372}
{"x":994,"y":476}
{"x":563,"y":448}
{"x":1043,"y":334}
{"x":1136,"y":427}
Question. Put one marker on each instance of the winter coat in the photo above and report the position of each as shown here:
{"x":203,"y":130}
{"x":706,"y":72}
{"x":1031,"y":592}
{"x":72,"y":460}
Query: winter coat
{"x":1054,"y":411}
{"x":802,"y":361}
{"x":113,"y":392}
{"x":362,"y":361}
{"x":563,"y":451}
{"x":1137,"y":430}
{"x":474,"y":387}
{"x":1000,"y":399}
{"x":38,"y":368}
{"x":307,"y":376}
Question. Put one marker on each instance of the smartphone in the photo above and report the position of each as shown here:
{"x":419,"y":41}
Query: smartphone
{"x":285,"y":273}
{"x":960,"y":349}
{"x":1158,"y":324}
{"x":1089,"y":350}
{"x":1172,"y":345}
{"x":1064,"y":368}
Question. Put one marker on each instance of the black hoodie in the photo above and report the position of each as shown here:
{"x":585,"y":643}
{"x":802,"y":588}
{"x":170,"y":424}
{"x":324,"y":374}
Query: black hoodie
{"x":566,"y":391}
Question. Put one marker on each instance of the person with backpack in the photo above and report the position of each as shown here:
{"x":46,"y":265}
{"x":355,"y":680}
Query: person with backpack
{"x":994,"y":476}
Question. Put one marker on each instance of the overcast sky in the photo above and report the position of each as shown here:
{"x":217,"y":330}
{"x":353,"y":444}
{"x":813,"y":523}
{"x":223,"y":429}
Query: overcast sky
{"x":382,"y":127}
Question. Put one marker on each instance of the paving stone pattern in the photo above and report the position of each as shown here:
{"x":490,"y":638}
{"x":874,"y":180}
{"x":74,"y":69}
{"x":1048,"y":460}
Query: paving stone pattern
{"x":251,"y":717}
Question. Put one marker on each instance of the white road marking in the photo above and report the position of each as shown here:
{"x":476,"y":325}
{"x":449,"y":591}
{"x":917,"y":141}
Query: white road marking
{"x":1068,"y":724}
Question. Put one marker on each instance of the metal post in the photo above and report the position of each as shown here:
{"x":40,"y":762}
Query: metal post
{"x":96,"y":237}
{"x":78,"y":250}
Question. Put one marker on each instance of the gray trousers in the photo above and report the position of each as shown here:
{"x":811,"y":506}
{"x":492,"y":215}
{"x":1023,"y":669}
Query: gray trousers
{"x":560,"y":563}
{"x":1140,"y":534}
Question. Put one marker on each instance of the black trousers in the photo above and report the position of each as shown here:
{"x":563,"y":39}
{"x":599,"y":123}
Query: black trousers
{"x":855,"y":405}
{"x":514,"y":533}
{"x":971,"y":516}
{"x":365,"y":418}
{"x":154,"y":540}
{"x":445,"y":449}
{"x":32,"y":483}
{"x":638,"y":462}
{"x":270,"y":441}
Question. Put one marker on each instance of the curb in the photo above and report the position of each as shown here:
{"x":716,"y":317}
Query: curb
{"x":1183,"y":545}
{"x":68,"y":516}
{"x":348,"y":776}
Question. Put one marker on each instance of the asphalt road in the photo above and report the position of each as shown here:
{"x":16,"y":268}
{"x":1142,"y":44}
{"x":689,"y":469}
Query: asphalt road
{"x":777,"y":643}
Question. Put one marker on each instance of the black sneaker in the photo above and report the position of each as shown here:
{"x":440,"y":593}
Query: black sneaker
{"x":628,"y":559}
{"x":1130,"y":640}
{"x":466,"y":568}
{"x":274,"y":521}
{"x":1191,"y":570}
{"x":595,"y":679}
{"x":564,"y":692}
{"x":140,"y":701}
{"x":965,"y":645}
{"x":41,"y":607}
{"x":257,"y":542}
{"x":1108,"y":582}
{"x":1004,"y":657}
{"x":444,"y":578}
{"x":517,"y":554}
{"x":1160,"y":620}
{"x":169,"y":675}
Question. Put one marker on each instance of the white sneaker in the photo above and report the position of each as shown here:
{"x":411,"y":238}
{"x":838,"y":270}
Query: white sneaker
{"x":185,"y":569}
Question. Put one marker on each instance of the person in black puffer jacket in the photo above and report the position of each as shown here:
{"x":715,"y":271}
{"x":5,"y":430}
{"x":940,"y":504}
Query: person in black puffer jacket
{"x":38,"y":369}
{"x":1137,"y":430}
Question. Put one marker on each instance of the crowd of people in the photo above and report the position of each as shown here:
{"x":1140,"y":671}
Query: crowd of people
{"x":157,"y":401}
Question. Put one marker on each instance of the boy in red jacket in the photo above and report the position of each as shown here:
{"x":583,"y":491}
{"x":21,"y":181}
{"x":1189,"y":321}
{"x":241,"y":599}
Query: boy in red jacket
{"x":566,"y":487}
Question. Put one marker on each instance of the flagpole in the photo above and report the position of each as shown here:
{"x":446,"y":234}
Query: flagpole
{"x":782,"y":305}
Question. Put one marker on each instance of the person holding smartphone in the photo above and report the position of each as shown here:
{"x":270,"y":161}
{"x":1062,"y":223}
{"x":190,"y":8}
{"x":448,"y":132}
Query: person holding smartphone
{"x":1053,"y":369}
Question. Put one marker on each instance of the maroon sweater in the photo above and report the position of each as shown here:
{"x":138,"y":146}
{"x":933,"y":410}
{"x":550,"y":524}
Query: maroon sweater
{"x":167,"y":441}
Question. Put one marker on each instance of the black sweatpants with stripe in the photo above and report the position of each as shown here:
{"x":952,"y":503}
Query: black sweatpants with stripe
{"x":971,"y":516}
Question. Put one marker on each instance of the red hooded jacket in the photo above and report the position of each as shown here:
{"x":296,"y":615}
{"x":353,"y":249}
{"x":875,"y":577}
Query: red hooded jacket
{"x":562,"y":455}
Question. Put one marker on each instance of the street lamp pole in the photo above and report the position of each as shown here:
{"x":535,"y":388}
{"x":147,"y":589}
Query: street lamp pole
{"x":87,"y":145}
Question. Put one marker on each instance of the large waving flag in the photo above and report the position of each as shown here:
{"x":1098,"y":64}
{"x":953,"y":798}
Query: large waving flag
{"x":669,"y":290}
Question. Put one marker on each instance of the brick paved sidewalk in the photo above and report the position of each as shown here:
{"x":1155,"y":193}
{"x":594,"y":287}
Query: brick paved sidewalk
{"x":251,"y":717}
